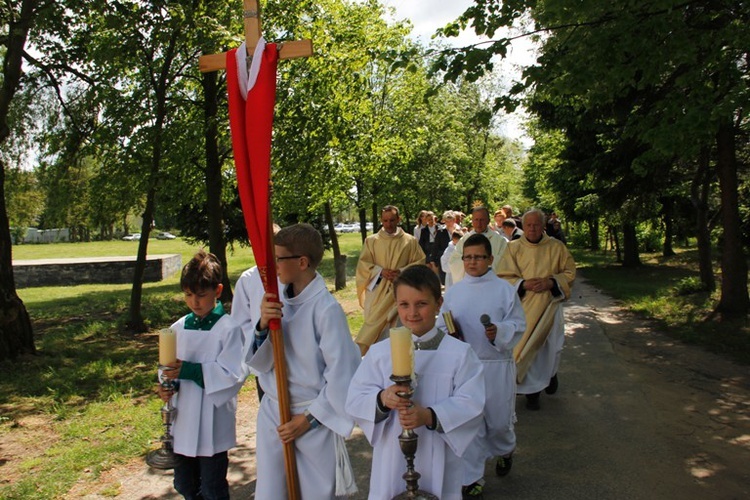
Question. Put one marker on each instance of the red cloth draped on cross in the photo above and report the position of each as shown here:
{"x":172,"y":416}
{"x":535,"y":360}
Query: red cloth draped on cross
{"x":251,"y":122}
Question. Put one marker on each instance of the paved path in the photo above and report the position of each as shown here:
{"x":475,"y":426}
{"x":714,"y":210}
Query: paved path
{"x":636,"y":417}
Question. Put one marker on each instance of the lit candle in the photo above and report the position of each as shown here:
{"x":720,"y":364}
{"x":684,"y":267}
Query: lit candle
{"x":402,"y":352}
{"x":167,"y":346}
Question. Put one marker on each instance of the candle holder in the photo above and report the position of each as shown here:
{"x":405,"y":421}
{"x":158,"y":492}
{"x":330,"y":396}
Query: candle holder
{"x":408,"y":440}
{"x":164,"y":457}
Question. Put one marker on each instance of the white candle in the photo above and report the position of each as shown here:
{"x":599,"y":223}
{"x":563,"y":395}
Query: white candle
{"x":167,"y":346}
{"x":402,"y":352}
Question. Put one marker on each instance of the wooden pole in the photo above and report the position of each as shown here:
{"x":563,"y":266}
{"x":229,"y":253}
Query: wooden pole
{"x":214,"y":62}
{"x":282,"y":387}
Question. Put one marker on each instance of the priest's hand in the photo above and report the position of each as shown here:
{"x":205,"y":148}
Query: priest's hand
{"x":293,"y":429}
{"x":390,"y":398}
{"x":414,"y":416}
{"x":390,"y":274}
{"x":538,"y":285}
{"x":270,"y":308}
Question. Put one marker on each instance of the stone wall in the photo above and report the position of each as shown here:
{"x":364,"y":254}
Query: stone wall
{"x":87,"y":270}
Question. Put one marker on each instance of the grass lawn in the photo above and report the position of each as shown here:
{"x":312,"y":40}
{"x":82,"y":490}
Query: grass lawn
{"x":666,"y":289}
{"x":85,"y":402}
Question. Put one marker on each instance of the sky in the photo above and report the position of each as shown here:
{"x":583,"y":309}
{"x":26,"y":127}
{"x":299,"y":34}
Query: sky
{"x":429,"y":15}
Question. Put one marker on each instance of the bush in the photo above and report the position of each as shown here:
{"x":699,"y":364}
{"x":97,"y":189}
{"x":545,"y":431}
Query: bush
{"x":689,"y":285}
{"x":650,"y":239}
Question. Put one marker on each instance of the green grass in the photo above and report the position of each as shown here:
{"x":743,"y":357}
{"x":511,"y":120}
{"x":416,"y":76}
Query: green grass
{"x":88,"y":393}
{"x":666,"y":290}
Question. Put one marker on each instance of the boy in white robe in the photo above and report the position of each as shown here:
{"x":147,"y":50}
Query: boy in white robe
{"x":210,"y":372}
{"x":447,"y":401}
{"x":321,"y":360}
{"x":445,"y":258}
{"x":248,"y":294}
{"x":489,"y":314}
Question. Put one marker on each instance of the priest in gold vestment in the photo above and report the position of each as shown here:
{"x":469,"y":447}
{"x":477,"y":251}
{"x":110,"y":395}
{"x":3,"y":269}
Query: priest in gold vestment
{"x":383,"y":257}
{"x":542,"y":270}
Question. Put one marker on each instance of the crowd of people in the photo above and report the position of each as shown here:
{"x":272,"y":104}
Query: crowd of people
{"x":496,"y":332}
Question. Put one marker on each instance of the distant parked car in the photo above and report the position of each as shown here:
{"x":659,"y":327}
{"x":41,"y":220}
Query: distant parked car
{"x":165,"y":236}
{"x":132,"y":237}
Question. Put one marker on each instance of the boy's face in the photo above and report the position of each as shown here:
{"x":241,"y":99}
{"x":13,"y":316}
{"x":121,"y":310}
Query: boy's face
{"x":476,"y":260}
{"x":417,"y":309}
{"x":288,"y":266}
{"x":203,"y":301}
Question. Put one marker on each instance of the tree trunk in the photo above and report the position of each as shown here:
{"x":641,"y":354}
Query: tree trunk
{"x":699,"y":191}
{"x":16,"y":333}
{"x":631,"y":257}
{"x":735,"y":300}
{"x":668,"y":210}
{"x":615,"y":243}
{"x":135,"y":321}
{"x":216,"y":241}
{"x":593,"y":224}
{"x":375,"y":218}
{"x":339,"y":261}
{"x":363,"y":225}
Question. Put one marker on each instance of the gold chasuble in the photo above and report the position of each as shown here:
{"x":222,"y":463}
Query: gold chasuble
{"x":382,"y":251}
{"x":549,"y":258}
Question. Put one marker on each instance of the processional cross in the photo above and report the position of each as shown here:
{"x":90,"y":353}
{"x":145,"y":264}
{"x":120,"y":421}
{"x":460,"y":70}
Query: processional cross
{"x":251,"y":125}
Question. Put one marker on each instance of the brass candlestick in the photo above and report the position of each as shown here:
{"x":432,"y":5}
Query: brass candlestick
{"x":164,"y":457}
{"x":408,"y":440}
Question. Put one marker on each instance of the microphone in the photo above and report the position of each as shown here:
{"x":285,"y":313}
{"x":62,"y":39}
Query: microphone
{"x":486,"y":323}
{"x":485,"y":320}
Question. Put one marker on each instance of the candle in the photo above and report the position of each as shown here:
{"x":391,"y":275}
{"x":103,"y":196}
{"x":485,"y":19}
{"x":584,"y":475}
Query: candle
{"x":167,"y":346}
{"x":402,"y":352}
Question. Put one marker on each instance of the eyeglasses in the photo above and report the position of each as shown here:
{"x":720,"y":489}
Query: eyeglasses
{"x":475,"y":257}
{"x":289,"y":257}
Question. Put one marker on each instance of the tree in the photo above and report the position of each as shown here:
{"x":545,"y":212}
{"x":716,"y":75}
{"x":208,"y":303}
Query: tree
{"x":138,"y":89}
{"x":675,"y":84}
{"x":16,"y":334}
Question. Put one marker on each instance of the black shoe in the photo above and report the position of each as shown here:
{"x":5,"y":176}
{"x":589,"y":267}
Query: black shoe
{"x":472,"y":492}
{"x":503,"y":465}
{"x":532,"y":402}
{"x":552,"y":387}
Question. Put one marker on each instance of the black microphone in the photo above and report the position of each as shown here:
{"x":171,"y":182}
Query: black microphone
{"x":485,"y":320}
{"x":486,"y":323}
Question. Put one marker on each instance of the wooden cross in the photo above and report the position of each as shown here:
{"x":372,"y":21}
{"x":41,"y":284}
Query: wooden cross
{"x":251,"y":16}
{"x":214,"y":62}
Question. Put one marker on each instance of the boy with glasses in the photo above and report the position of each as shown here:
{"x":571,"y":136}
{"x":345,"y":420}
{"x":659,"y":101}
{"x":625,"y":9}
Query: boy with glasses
{"x":480,"y":219}
{"x":491,"y":318}
{"x":321,"y":360}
